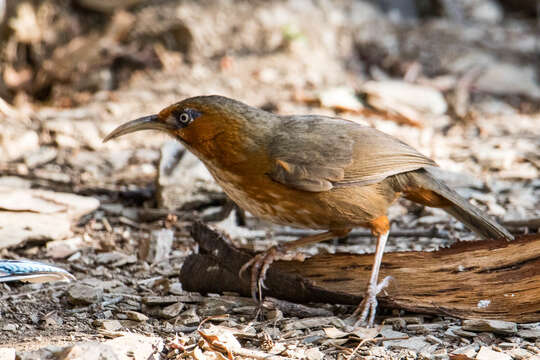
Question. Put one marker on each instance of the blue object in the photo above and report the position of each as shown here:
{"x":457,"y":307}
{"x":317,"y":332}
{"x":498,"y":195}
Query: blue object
{"x":32,"y":271}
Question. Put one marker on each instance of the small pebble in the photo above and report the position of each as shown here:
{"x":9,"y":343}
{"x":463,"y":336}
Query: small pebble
{"x":10,"y":327}
{"x":469,"y":351}
{"x":486,"y":353}
{"x":433,"y":339}
{"x":172,"y":310}
{"x":314,"y":354}
{"x":136,"y":316}
{"x":111,"y":325}
{"x":80,"y":294}
{"x":496,"y":326}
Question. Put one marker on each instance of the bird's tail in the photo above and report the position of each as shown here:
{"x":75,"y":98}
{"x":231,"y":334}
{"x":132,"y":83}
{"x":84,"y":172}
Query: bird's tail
{"x":422,"y":187}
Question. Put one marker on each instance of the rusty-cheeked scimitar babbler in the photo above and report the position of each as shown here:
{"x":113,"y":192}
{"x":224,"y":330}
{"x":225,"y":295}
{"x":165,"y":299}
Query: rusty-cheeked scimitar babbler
{"x":311,"y":171}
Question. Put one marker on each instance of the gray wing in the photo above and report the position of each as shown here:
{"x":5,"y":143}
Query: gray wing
{"x":317,"y":153}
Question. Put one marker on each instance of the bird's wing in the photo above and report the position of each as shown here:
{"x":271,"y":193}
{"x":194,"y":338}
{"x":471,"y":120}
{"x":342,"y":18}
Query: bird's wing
{"x":317,"y":153}
{"x":31,"y":271}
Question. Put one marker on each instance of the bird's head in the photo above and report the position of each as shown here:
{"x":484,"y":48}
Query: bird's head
{"x":205,"y":124}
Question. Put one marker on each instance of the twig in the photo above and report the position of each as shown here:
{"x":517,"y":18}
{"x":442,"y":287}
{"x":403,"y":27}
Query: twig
{"x":356,"y":349}
{"x":463,"y":87}
{"x":293,"y":309}
{"x":124,"y":220}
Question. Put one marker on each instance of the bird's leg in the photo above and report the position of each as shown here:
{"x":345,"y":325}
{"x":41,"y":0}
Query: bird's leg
{"x":368,"y":306}
{"x":261,"y":262}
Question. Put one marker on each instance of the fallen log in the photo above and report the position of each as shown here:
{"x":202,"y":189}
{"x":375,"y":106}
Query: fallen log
{"x":481,"y":279}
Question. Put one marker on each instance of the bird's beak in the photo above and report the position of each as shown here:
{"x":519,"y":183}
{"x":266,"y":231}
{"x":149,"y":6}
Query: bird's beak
{"x":151,"y":122}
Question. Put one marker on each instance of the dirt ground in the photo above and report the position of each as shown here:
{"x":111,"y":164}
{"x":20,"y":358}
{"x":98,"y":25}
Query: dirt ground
{"x":462,"y":89}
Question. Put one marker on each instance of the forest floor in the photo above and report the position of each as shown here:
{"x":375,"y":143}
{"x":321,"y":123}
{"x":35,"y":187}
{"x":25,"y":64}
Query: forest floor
{"x":466,"y":96}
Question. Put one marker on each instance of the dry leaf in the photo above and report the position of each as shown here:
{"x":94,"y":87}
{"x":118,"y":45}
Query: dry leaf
{"x":220,"y":339}
{"x":335,"y":333}
{"x":367,"y":333}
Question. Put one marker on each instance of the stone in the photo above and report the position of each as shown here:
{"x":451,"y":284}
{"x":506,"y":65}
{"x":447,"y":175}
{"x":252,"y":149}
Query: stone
{"x":7,"y":353}
{"x":425,"y":328}
{"x":486,"y":353}
{"x":88,"y":351}
{"x":46,"y":202}
{"x":30,"y":214}
{"x":397,"y":323}
{"x":451,"y":332}
{"x":43,"y":155}
{"x":485,"y":11}
{"x":230,"y":226}
{"x":176,"y":289}
{"x":15,"y":182}
{"x":158,"y":246}
{"x":467,"y":350}
{"x":16,"y":141}
{"x":19,"y":227}
{"x":110,"y":325}
{"x":181,"y":178}
{"x":172,"y":311}
{"x":519,"y":353}
{"x":463,"y":333}
{"x":80,"y":294}
{"x":136,"y":316}
{"x":496,"y":326}
{"x":115,"y":258}
{"x":456,"y":179}
{"x":433,"y":339}
{"x":340,"y":98}
{"x":423,"y":98}
{"x":188,"y":317}
{"x":412,"y":102}
{"x":142,"y":347}
{"x":159,"y":300}
{"x":63,"y":248}
{"x":440,"y":354}
{"x":415,"y":343}
{"x":506,"y":78}
{"x":529,"y":333}
{"x":10,"y":327}
{"x":389,"y":333}
{"x":313,"y":354}
{"x":308,"y":323}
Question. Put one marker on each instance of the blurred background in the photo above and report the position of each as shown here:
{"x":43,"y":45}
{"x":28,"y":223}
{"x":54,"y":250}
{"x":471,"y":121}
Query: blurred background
{"x":456,"y":79}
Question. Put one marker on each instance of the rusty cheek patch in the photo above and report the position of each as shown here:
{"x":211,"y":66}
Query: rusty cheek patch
{"x":426,"y":197}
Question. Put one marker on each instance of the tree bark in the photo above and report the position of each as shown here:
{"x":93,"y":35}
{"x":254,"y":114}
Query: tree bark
{"x":491,"y":279}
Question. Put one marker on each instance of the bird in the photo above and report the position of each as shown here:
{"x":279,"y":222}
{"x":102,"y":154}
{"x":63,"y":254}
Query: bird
{"x":32,"y":271}
{"x":309,"y":171}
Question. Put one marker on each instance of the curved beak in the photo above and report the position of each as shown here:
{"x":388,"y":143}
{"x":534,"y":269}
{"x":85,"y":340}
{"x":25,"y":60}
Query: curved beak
{"x":150,"y":122}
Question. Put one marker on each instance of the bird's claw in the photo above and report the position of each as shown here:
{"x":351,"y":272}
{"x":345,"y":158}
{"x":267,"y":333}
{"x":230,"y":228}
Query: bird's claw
{"x":368,"y":307}
{"x":260,"y":264}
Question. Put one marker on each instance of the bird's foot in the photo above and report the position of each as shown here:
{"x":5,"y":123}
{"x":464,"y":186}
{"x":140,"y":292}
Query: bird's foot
{"x":260,"y":264}
{"x":368,"y":307}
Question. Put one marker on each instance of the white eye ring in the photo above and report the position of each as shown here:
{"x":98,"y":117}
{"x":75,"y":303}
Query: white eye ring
{"x":184,"y":117}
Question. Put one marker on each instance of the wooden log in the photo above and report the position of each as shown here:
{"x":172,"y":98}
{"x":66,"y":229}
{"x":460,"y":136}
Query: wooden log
{"x":481,"y":279}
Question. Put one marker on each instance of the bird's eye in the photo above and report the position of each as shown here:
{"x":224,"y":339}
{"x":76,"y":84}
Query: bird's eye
{"x":184,"y":118}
